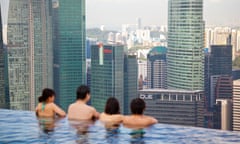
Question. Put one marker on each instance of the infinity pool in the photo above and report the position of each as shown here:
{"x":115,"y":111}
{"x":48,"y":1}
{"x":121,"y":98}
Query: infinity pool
{"x":22,"y":127}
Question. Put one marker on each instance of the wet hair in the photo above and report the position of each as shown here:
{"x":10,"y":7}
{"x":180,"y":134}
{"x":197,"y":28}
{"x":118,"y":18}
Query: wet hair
{"x":46,"y":93}
{"x":112,"y":106}
{"x":137,"y":106}
{"x":82,"y":92}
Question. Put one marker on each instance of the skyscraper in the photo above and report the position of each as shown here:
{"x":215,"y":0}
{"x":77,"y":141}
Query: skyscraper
{"x":185,"y":44}
{"x":217,"y":63}
{"x":130,"y":80}
{"x":69,"y":49}
{"x":29,"y":51}
{"x":107,"y":75}
{"x":2,"y":66}
{"x":157,"y":68}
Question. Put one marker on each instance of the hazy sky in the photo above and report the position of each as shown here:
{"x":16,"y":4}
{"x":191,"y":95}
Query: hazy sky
{"x":154,"y":12}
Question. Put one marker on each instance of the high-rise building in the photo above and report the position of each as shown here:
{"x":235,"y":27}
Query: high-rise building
{"x":113,"y":74}
{"x":29,"y":51}
{"x":181,"y":107}
{"x":217,"y":63}
{"x":157,"y":68}
{"x":2,"y":67}
{"x":130,"y":80}
{"x":236,"y":105}
{"x":69,"y":49}
{"x":185,"y":44}
{"x":107,"y":75}
{"x":222,"y":116}
{"x":221,"y":60}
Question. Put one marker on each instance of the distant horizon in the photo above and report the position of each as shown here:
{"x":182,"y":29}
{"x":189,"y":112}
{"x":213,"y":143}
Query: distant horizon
{"x":114,"y":13}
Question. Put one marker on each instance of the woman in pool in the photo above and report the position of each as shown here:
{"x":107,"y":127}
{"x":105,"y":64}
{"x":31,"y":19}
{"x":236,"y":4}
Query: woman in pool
{"x":111,"y":115}
{"x":46,"y":106}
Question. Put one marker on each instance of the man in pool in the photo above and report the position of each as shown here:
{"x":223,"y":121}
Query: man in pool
{"x":138,"y":119}
{"x":80,"y":110}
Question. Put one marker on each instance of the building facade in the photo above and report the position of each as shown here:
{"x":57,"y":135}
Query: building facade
{"x":3,"y":97}
{"x":107,"y":75}
{"x":179,"y":107}
{"x":236,"y":105}
{"x":157,"y":68}
{"x":29,"y":52}
{"x":69,"y":49}
{"x":185,"y":45}
{"x":130,"y":80}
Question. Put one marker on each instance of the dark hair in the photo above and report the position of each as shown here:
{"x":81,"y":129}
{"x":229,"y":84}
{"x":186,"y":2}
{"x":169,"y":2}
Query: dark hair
{"x":112,"y":106}
{"x":137,"y":106}
{"x":82,"y":92}
{"x":46,"y":93}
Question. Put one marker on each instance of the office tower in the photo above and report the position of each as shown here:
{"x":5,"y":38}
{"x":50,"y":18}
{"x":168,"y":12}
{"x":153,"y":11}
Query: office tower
{"x":236,"y":74}
{"x":222,"y":116}
{"x":69,"y":49}
{"x":236,"y":105}
{"x":218,"y":62}
{"x":157,"y":68}
{"x":220,"y":35}
{"x":221,"y":59}
{"x":2,"y":67}
{"x":130,"y":80}
{"x":29,"y":51}
{"x":185,"y":44}
{"x":181,"y":107}
{"x":107,"y":75}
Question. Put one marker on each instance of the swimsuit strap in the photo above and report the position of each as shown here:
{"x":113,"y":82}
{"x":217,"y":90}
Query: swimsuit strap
{"x":43,"y":106}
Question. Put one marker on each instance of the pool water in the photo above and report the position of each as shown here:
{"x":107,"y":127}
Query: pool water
{"x":22,"y":127}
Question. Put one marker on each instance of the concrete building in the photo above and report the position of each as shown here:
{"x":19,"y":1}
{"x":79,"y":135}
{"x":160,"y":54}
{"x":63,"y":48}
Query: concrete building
{"x":29,"y":52}
{"x":236,"y":105}
{"x":179,"y":107}
{"x":222,"y":117}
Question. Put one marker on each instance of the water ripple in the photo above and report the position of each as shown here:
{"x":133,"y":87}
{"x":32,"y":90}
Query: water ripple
{"x":23,"y":127}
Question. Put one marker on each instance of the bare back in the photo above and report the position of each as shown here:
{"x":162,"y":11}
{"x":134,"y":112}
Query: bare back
{"x":138,"y":121}
{"x":48,"y":110}
{"x":81,"y":111}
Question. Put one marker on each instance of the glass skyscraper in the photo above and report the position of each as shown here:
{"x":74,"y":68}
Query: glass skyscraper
{"x":107,"y":75}
{"x":69,"y":49}
{"x":2,"y":65}
{"x":185,"y":45}
{"x":29,"y":51}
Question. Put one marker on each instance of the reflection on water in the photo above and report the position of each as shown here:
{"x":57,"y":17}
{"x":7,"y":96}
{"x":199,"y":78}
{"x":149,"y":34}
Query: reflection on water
{"x":137,"y":136}
{"x":19,"y":127}
{"x":46,"y":124}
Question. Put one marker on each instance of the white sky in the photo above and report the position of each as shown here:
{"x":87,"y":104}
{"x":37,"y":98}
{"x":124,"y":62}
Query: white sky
{"x":154,"y":12}
{"x":114,"y":13}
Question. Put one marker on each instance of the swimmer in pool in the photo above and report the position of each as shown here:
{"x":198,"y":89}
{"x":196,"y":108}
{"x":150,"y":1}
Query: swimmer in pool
{"x":111,"y":116}
{"x":137,"y":119}
{"x":46,"y":106}
{"x":80,"y":110}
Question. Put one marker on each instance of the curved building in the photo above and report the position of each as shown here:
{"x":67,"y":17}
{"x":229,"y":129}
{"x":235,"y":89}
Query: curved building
{"x":157,"y":67}
{"x":185,"y":45}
